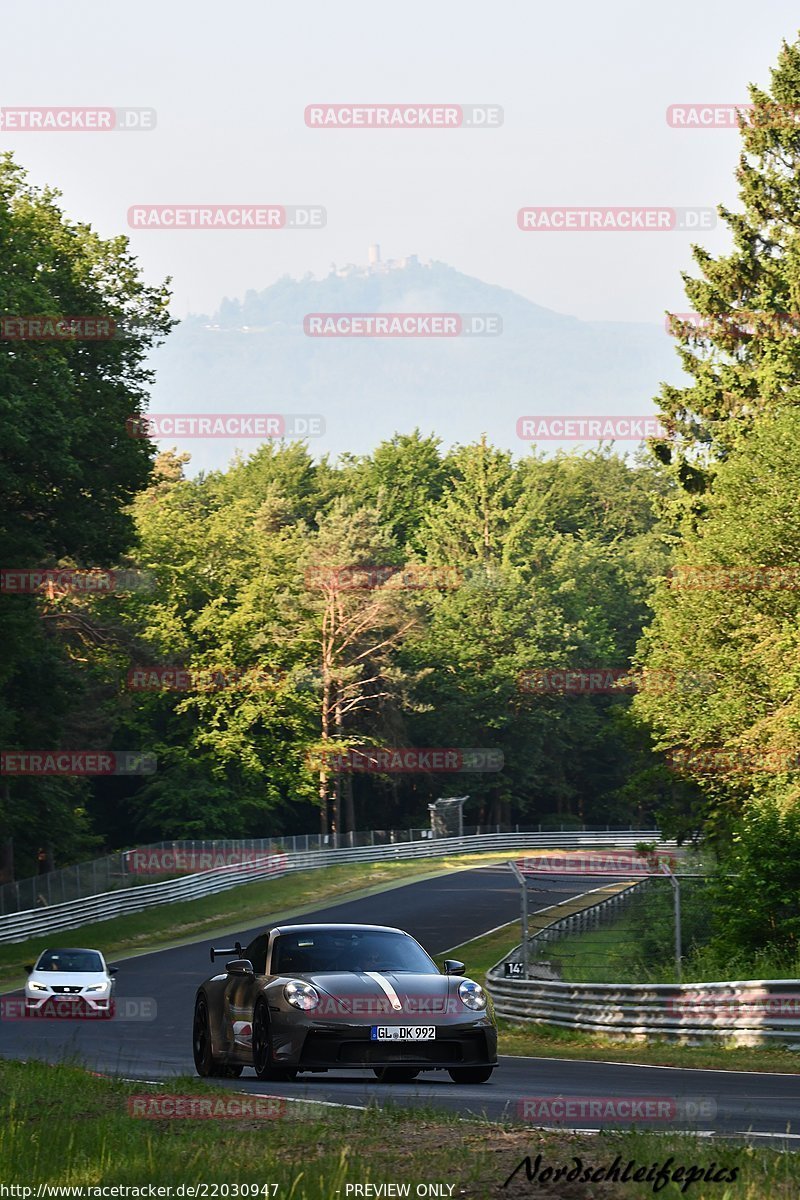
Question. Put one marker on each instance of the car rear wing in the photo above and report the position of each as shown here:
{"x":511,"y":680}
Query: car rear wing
{"x":216,"y":952}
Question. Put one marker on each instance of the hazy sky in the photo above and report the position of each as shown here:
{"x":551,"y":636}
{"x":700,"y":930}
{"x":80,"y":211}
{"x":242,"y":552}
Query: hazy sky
{"x":584,"y":88}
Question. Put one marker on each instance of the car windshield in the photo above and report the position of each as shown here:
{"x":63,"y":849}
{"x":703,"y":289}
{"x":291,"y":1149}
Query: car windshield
{"x":73,"y":961}
{"x":323,"y":951}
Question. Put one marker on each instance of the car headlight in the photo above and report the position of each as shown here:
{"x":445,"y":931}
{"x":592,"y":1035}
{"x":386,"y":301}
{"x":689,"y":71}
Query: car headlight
{"x":472,"y":994}
{"x":99,"y":987}
{"x":38,"y":987}
{"x":301,"y":995}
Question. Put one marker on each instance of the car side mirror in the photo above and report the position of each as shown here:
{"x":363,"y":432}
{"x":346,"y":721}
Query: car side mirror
{"x":239,"y":966}
{"x":453,"y":967}
{"x":113,"y":970}
{"x":28,"y":968}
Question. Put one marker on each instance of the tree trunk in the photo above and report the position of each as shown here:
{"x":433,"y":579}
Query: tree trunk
{"x":323,"y":768}
{"x":336,"y":822}
{"x":337,"y":783}
{"x":349,"y":806}
{"x":7,"y":860}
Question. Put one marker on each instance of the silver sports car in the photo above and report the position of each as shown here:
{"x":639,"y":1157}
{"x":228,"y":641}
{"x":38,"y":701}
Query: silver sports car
{"x":342,"y":997}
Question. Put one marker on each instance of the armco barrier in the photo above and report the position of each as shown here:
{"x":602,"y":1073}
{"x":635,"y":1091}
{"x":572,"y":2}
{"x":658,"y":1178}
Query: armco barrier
{"x":124,"y":868}
{"x":746,"y":1013}
{"x":17,"y":927}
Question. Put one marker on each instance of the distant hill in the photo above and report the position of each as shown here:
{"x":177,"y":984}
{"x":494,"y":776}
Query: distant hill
{"x":253,"y":355}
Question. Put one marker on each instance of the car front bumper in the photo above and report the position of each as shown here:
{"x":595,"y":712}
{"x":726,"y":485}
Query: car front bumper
{"x":52,"y":1004}
{"x":327,"y":1045}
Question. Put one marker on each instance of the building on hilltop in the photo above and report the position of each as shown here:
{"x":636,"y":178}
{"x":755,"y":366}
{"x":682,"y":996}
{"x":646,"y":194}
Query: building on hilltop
{"x":375,"y":266}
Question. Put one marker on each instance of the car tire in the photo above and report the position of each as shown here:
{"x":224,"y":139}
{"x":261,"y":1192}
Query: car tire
{"x":396,"y":1074}
{"x":471,"y":1074}
{"x":205,"y":1063}
{"x":201,"y":1040}
{"x":262,"y":1049}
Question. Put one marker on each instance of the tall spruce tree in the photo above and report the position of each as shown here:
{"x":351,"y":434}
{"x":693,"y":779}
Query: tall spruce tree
{"x":743,"y":349}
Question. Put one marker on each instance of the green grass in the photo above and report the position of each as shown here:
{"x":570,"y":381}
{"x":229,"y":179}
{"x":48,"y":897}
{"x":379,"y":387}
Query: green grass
{"x":232,"y":911}
{"x":63,"y":1126}
{"x":550,"y":1041}
{"x":607,"y":955}
{"x":483,"y":952}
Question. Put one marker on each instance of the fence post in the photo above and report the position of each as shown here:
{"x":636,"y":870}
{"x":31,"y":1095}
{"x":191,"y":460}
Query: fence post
{"x":523,"y":916}
{"x":678,"y":949}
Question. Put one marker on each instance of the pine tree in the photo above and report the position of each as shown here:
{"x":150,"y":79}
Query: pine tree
{"x":743,"y":350}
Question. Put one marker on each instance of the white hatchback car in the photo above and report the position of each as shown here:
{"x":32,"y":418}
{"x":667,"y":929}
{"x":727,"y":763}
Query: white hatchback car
{"x":70,"y":980}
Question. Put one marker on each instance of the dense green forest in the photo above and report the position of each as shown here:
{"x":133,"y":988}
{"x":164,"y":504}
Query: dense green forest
{"x":415,"y":597}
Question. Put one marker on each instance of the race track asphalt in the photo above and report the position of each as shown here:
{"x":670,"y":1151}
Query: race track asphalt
{"x":440,"y":912}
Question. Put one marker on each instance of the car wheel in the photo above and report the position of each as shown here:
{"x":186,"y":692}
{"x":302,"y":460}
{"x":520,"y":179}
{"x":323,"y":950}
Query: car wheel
{"x":471,"y":1074}
{"x":201,"y":1039}
{"x":396,"y":1074}
{"x":262,"y":1049}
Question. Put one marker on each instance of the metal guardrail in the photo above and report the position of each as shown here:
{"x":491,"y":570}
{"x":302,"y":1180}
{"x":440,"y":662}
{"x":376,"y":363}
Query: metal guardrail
{"x":745,"y":1012}
{"x":18,"y":927}
{"x":114,"y":871}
